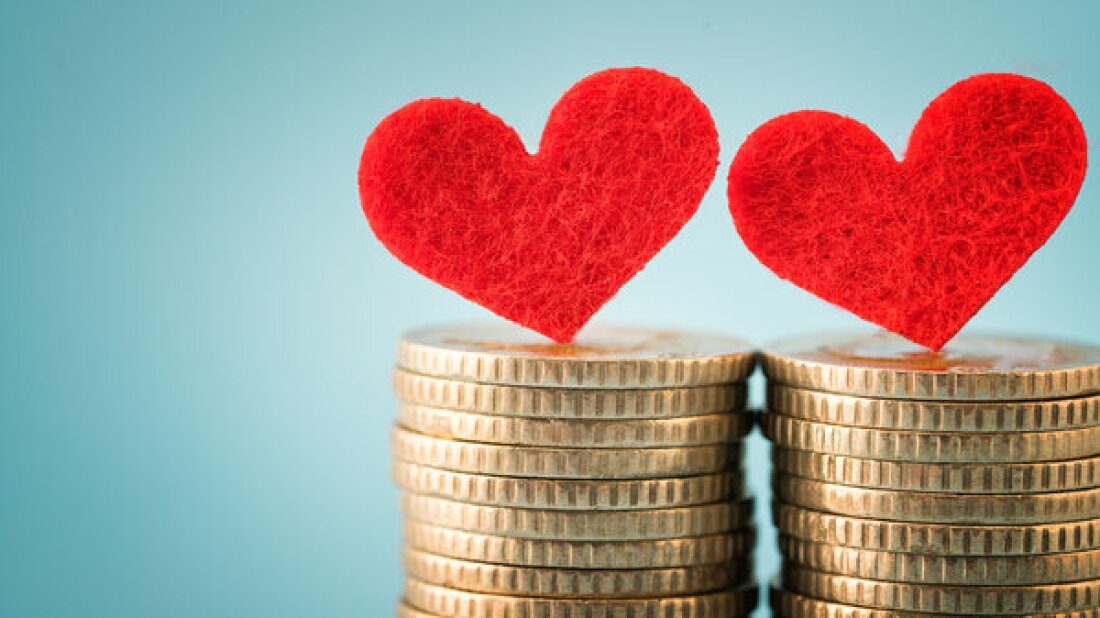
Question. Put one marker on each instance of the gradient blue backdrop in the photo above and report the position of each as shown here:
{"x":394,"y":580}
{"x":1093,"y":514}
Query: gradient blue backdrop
{"x":198,"y":325}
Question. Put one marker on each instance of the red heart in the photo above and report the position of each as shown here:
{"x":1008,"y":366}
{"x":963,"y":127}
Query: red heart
{"x":546,"y":239}
{"x":918,"y":247}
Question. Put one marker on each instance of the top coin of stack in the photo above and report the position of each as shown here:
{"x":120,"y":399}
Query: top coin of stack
{"x":912,"y":483}
{"x":590,"y":479}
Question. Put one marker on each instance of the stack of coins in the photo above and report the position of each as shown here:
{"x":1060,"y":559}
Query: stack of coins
{"x":908,"y":483}
{"x":597,"y":478}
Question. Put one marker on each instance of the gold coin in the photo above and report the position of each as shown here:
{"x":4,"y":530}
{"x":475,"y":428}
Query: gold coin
{"x":404,"y":610}
{"x":558,"y":582}
{"x":546,"y":462}
{"x":900,"y":414}
{"x":576,"y":433}
{"x":786,"y":603}
{"x":937,"y":538}
{"x":966,"y":478}
{"x":600,"y":357}
{"x":450,"y":602}
{"x":968,"y":368}
{"x":941,"y":508}
{"x":682,"y":522}
{"x":567,"y":494}
{"x":953,"y":570}
{"x":960,"y":447}
{"x":580,"y":403}
{"x":965,"y":600}
{"x":731,"y":547}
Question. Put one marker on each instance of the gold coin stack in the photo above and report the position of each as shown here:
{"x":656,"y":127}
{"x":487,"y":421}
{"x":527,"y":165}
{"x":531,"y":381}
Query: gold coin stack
{"x":916,"y":484}
{"x":599,"y":478}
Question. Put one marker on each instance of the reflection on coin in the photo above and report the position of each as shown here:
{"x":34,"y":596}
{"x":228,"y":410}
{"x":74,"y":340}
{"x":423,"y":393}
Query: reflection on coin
{"x":936,"y":538}
{"x":557,"y":582}
{"x":733,"y":547}
{"x":970,"y":478}
{"x":899,"y":414}
{"x":785,"y":603}
{"x":549,"y":403}
{"x":600,"y":357}
{"x":968,"y":368}
{"x":964,"y":600}
{"x":931,"y":569}
{"x":450,"y":602}
{"x":938,"y":507}
{"x":567,"y":494}
{"x":579,"y":525}
{"x":576,"y":433}
{"x":546,"y":462}
{"x":961,"y":447}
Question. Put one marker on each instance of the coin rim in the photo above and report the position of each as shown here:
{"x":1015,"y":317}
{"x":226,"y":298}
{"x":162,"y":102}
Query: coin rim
{"x":784,"y":367}
{"x":942,"y":508}
{"x":955,"y":600}
{"x":931,"y":569}
{"x":662,"y":369}
{"x":939,"y":538}
{"x":723,"y":547}
{"x":785,"y":602}
{"x":931,"y":447}
{"x":939,"y":477}
{"x":559,"y":582}
{"x":562,"y":463}
{"x":741,"y":600}
{"x":700,"y":430}
{"x":566,"y":494}
{"x":933,"y":416}
{"x":562,"y":402}
{"x":581,"y":525}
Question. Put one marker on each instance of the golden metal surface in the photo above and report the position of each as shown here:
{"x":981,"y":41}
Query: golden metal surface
{"x":547,"y":462}
{"x":567,"y":494}
{"x":701,"y":430}
{"x":451,"y":602}
{"x":969,"y":368}
{"x":579,"y":403}
{"x":682,"y":522}
{"x":600,"y":357}
{"x":728,"y":547}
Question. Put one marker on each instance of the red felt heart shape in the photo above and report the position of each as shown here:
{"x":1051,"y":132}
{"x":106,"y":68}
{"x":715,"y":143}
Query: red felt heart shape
{"x":917,"y":246}
{"x":546,"y":239}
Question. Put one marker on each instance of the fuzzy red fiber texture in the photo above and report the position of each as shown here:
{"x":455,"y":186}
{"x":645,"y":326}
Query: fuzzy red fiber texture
{"x":543,"y":240}
{"x":917,"y":246}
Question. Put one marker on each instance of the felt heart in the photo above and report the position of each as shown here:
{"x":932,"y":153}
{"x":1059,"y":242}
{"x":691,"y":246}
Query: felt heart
{"x":546,"y":239}
{"x":917,"y":246}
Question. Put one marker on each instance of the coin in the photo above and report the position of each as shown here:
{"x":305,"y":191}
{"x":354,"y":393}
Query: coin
{"x":959,"y":447}
{"x":559,"y":582}
{"x":969,"y":478}
{"x":546,"y":462}
{"x":732,"y":547}
{"x":937,"y":538}
{"x":968,"y":368}
{"x":567,"y":494}
{"x":681,"y":522}
{"x":786,"y":603}
{"x":941,"y":508}
{"x":576,"y":433}
{"x":551,"y":403}
{"x":899,"y":414}
{"x":600,"y":357}
{"x":404,"y":610}
{"x":451,"y":602}
{"x":931,"y":569}
{"x":965,"y":600}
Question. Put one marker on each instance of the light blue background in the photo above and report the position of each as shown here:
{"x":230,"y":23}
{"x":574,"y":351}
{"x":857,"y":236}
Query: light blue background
{"x":198,"y":325}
